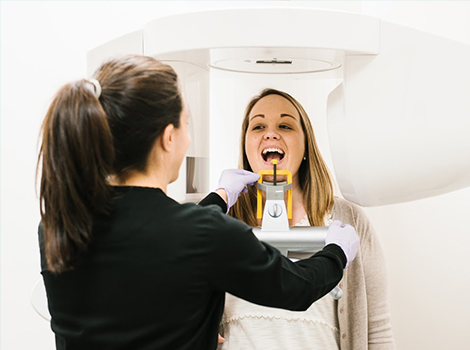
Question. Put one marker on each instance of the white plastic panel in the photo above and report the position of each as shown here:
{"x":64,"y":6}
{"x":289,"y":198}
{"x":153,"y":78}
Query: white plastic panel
{"x":275,"y":60}
{"x":259,"y":28}
{"x":193,"y":181}
{"x":127,"y":44}
{"x":39,"y":300}
{"x":399,"y":125}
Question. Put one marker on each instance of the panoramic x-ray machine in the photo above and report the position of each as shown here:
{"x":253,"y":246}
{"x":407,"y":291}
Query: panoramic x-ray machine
{"x":397,"y":122}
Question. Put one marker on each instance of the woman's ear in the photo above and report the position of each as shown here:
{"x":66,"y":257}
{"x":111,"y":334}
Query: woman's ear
{"x":167,"y":138}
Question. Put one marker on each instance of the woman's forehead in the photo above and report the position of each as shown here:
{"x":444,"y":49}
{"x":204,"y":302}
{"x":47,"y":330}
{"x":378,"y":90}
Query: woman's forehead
{"x":274,"y":104}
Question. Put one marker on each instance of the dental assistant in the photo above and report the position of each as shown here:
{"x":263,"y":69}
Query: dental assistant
{"x":124,"y":265}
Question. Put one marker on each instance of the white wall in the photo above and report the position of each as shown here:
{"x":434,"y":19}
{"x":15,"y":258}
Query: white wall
{"x":43,"y":45}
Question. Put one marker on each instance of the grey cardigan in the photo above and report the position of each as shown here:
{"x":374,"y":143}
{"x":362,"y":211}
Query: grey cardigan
{"x":363,"y":311}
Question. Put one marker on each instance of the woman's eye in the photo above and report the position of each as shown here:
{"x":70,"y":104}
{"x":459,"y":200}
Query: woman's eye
{"x":285,"y":127}
{"x":257,"y":127}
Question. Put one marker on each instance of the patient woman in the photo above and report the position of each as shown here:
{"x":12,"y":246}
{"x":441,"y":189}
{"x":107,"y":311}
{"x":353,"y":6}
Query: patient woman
{"x":276,"y":126}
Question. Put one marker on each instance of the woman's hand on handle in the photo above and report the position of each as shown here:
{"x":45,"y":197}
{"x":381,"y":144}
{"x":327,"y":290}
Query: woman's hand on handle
{"x":234,"y":182}
{"x":345,"y":237}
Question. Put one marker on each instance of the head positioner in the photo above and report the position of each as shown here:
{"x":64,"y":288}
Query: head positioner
{"x":274,"y":193}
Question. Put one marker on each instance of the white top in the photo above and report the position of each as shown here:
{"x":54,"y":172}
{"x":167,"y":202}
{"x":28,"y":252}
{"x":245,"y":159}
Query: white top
{"x":248,"y":326}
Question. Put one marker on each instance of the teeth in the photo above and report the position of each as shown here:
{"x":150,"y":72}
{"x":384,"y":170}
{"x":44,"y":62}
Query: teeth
{"x":280,"y":151}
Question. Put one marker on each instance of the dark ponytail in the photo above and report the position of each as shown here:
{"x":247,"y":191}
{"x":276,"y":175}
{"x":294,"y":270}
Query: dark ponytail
{"x":87,"y":138}
{"x":77,"y":157}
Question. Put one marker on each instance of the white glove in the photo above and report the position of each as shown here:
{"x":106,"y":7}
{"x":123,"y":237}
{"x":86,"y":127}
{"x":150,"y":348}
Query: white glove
{"x":344,"y":236}
{"x":234,"y":181}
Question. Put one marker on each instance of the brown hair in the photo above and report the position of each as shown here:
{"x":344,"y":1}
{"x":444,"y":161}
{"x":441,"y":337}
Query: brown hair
{"x":314,"y":178}
{"x":86,"y":139}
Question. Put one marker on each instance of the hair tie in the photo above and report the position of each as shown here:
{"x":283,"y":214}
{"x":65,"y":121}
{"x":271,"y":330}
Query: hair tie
{"x":96,"y":87}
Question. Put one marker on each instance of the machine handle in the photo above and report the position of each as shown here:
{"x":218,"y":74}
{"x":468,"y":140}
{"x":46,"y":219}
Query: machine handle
{"x":307,"y":239}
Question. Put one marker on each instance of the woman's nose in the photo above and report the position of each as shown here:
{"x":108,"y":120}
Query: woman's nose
{"x":271,"y":135}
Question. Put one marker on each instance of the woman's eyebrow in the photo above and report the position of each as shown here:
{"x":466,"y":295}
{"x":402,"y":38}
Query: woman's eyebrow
{"x":282,"y":115}
{"x":287,"y":115}
{"x":258,"y":115}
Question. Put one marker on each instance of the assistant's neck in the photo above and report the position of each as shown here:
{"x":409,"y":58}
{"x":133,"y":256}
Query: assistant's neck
{"x":140,"y":180}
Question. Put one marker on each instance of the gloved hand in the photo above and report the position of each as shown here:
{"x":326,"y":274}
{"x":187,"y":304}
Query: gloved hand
{"x":234,"y":181}
{"x":344,"y":236}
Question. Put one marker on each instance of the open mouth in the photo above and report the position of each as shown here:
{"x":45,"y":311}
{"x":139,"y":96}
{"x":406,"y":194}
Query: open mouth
{"x":269,"y":154}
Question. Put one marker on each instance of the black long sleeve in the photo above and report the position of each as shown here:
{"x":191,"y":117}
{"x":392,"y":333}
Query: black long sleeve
{"x":319,"y":274}
{"x":214,"y":198}
{"x":258,"y":272}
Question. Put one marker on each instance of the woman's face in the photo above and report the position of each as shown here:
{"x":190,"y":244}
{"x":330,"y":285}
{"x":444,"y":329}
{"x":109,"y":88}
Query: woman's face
{"x":274,"y":132}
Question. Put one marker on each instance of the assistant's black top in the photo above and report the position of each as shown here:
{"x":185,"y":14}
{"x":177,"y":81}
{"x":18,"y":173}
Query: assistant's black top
{"x":157,"y":271}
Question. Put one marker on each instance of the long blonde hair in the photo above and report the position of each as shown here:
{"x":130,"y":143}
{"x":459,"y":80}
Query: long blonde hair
{"x":314,"y":178}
